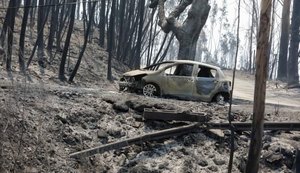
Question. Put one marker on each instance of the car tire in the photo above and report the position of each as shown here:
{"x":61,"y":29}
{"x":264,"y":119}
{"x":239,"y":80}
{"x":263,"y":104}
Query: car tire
{"x":151,"y":90}
{"x":219,"y":98}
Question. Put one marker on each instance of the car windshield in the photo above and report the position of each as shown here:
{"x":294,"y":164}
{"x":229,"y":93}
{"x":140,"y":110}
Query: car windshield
{"x":155,"y":67}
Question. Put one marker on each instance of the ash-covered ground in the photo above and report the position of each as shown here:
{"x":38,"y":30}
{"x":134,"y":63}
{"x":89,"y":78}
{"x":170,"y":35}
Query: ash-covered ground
{"x":41,"y":125}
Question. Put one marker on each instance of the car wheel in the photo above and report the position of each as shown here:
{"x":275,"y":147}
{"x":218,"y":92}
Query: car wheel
{"x":220,"y":98}
{"x":151,"y":90}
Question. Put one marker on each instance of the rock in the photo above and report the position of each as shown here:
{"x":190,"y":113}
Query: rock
{"x":62,"y":118}
{"x":141,"y":168}
{"x":137,"y":117}
{"x":267,"y":138}
{"x":120,"y":106}
{"x":85,"y":137}
{"x":219,"y":161}
{"x":279,"y":153}
{"x":84,"y":125}
{"x":213,"y":168}
{"x":70,"y":140}
{"x":202,"y":162}
{"x":110,"y":99}
{"x":187,"y":140}
{"x":274,"y":158}
{"x":244,"y":138}
{"x":296,"y":138}
{"x":188,"y":165}
{"x":123,"y":159}
{"x":115,"y":132}
{"x":102,"y":134}
{"x":163,"y":165}
{"x":216,"y":134}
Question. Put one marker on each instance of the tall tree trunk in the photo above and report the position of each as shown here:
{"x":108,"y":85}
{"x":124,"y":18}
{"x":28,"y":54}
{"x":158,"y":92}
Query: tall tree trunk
{"x":5,"y":23}
{"x":121,"y":29}
{"x":130,"y":25}
{"x":91,"y":16}
{"x":284,"y":41}
{"x":111,"y":39}
{"x":260,"y":88}
{"x":22,"y":36}
{"x":61,"y":74}
{"x":53,"y":27}
{"x":36,"y":43}
{"x":271,"y":38}
{"x":293,"y":74}
{"x":10,"y":27}
{"x":251,"y":38}
{"x":40,"y":29}
{"x":32,"y":17}
{"x":138,"y":57}
{"x":78,"y":10}
{"x":102,"y":24}
{"x":60,"y":26}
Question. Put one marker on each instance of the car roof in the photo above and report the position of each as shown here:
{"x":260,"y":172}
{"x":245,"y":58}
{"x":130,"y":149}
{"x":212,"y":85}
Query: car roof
{"x":193,"y":62}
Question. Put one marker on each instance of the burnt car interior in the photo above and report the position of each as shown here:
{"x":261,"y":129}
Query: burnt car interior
{"x":205,"y":72}
{"x":184,"y":70}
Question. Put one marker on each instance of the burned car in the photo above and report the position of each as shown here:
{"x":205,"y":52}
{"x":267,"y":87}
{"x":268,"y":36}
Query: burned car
{"x":179,"y":78}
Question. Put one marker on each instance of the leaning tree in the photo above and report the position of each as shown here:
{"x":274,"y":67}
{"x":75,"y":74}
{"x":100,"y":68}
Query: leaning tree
{"x":187,"y":32}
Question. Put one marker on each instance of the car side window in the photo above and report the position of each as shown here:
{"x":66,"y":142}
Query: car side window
{"x":206,"y":72}
{"x":184,"y":70}
{"x":170,"y":70}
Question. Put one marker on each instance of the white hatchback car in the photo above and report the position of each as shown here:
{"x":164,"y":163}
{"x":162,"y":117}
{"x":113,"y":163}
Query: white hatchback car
{"x":179,"y":78}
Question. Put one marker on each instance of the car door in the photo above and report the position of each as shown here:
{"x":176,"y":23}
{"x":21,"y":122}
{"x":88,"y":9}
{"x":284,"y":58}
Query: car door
{"x":180,"y":81}
{"x":206,"y":83}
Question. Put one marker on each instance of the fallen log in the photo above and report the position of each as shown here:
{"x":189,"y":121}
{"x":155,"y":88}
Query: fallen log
{"x":177,"y":131}
{"x":246,"y":126}
{"x":168,"y":115}
{"x":202,"y":122}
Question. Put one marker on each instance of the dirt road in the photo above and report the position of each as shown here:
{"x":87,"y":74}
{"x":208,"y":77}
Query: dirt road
{"x":275,"y":95}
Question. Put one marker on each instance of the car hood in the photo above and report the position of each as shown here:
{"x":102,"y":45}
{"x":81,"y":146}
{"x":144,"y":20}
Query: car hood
{"x":138,"y":72}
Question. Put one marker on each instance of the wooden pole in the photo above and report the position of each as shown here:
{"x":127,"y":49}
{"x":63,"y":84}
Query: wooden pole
{"x":260,"y":88}
{"x":176,"y":131}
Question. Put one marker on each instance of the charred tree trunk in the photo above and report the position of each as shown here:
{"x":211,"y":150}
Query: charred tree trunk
{"x":5,"y":23}
{"x":102,"y":24}
{"x":32,"y":17}
{"x":187,"y":33}
{"x":40,"y":34}
{"x":84,"y":15}
{"x":53,"y":27}
{"x":78,"y":10}
{"x":111,"y":39}
{"x":137,"y":61}
{"x":284,"y":41}
{"x":121,"y":29}
{"x":91,"y":16}
{"x":60,"y":26}
{"x":10,"y":31}
{"x":260,"y":88}
{"x":61,"y":74}
{"x":293,"y":74}
{"x":22,"y":36}
{"x":130,"y":24}
{"x":40,"y":29}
